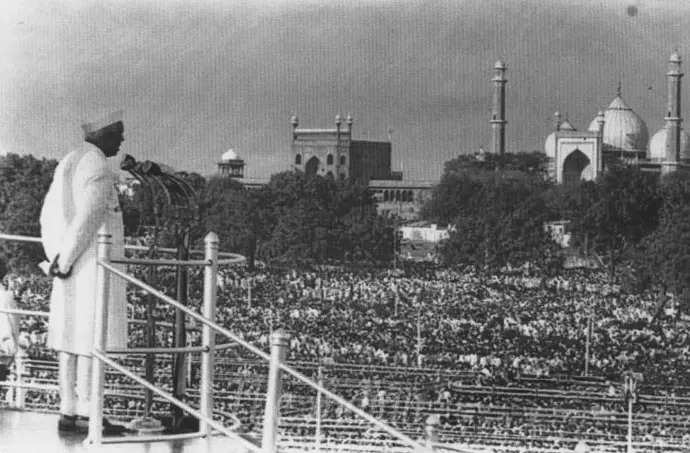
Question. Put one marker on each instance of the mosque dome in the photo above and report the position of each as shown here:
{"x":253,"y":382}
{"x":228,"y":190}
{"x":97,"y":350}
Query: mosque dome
{"x":550,"y":145}
{"x":229,"y":155}
{"x":657,"y":145}
{"x":624,"y":130}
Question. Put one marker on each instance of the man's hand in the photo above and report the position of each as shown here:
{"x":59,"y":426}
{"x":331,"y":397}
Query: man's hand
{"x":55,"y":269}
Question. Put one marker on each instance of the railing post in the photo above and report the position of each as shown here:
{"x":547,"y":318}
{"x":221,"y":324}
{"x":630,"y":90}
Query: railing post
{"x":179,"y":359}
{"x":100,"y":330}
{"x":317,"y":435}
{"x":431,"y":431}
{"x":19,"y":391}
{"x":279,"y":346}
{"x":208,"y":336}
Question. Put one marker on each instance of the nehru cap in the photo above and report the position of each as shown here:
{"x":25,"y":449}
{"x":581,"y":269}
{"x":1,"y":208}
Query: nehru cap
{"x":101,"y":121}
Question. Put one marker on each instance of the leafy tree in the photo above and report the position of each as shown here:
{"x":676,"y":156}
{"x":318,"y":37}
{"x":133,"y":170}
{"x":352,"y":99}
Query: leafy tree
{"x":454,"y":194}
{"x":501,"y":223}
{"x":532,"y":163}
{"x":317,"y":219}
{"x":466,"y":175}
{"x":237,"y":214}
{"x":24,"y":184}
{"x":622,"y":210}
{"x":662,"y":260}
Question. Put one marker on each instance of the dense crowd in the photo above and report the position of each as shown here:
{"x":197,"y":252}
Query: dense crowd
{"x":476,"y":342}
{"x":502,"y":325}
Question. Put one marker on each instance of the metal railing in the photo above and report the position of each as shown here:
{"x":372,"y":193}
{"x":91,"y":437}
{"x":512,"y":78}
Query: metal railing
{"x":279,"y":345}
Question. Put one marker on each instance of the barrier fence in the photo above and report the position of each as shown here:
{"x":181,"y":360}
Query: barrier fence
{"x":278,"y":369}
{"x":276,"y":365}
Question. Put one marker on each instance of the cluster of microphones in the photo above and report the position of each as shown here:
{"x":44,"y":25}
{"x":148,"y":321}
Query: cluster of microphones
{"x":151,"y":174}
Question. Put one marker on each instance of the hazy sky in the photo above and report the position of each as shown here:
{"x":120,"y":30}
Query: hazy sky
{"x":198,"y":77}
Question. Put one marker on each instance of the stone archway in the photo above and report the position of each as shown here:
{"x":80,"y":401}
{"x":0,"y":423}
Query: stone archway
{"x":574,"y":166}
{"x":312,"y":166}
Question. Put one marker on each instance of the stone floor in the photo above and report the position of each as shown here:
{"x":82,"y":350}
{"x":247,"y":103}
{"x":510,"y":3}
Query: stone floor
{"x":22,"y":431}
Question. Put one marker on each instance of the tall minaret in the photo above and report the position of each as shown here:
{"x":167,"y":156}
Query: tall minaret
{"x":557,"y":121}
{"x":673,"y":118}
{"x":498,"y":110}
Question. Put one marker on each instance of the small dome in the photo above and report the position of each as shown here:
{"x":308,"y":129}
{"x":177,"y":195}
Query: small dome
{"x":675,"y":58}
{"x":550,"y":145}
{"x":229,"y":155}
{"x":566,"y":126}
{"x":500,"y":65}
{"x":657,"y":145}
{"x":624,"y":130}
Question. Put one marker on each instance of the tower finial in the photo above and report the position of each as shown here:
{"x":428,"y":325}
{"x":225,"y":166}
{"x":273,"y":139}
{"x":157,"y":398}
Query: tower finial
{"x":557,"y":120}
{"x":619,"y":88}
{"x":675,"y":57}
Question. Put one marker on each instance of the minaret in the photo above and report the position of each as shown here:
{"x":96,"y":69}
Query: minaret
{"x":673,"y":118}
{"x":557,"y":121}
{"x":498,"y":110}
{"x":601,"y":120}
{"x":295,"y":122}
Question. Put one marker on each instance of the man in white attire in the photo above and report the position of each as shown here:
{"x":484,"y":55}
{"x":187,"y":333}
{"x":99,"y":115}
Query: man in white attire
{"x":81,"y":202}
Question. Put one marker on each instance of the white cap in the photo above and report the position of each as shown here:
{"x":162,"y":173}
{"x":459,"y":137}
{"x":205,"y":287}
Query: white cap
{"x":102,"y":121}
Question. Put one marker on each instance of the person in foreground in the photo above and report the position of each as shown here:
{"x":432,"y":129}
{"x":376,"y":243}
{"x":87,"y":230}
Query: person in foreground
{"x":81,"y":202}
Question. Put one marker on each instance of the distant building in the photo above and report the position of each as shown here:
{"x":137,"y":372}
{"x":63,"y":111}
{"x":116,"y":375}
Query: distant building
{"x":619,"y":135}
{"x":559,"y":232}
{"x":425,"y":232}
{"x":334,"y":153}
{"x":401,"y":198}
{"x":231,"y":165}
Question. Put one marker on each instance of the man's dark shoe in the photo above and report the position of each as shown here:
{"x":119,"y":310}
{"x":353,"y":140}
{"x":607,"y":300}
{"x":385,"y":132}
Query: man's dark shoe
{"x":67,"y":423}
{"x":109,"y":429}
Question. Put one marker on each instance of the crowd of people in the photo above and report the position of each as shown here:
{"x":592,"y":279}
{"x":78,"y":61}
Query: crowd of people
{"x":494,"y":354}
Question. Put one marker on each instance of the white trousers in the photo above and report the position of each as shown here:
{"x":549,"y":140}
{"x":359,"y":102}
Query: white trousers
{"x":75,"y":383}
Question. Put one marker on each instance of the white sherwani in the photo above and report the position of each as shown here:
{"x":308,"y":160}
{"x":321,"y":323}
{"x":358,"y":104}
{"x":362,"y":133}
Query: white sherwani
{"x":82,"y":201}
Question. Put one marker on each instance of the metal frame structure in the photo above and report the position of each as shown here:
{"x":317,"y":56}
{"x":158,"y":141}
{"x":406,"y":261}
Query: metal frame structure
{"x":276,"y":359}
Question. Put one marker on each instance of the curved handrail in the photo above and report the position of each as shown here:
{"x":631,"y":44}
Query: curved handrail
{"x":215,"y":425}
{"x":286,"y":368}
{"x":18,"y":311}
{"x":158,"y":262}
{"x":229,"y":258}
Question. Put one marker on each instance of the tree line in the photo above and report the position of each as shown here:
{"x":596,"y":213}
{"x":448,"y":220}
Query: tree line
{"x":634,"y":223}
{"x":293,"y":219}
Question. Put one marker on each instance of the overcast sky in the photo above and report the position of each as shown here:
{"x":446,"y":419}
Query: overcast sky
{"x":196,"y":78}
